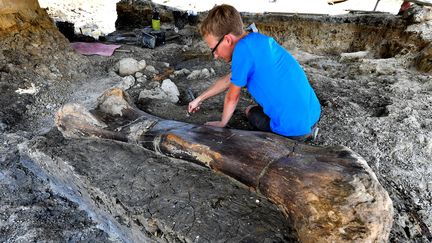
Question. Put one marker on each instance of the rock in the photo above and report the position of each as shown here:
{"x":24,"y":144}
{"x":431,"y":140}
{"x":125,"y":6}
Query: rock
{"x":183,"y":72}
{"x":156,"y":93}
{"x":199,"y":47}
{"x":171,"y":90}
{"x":421,"y":139}
{"x":3,"y":127}
{"x":116,"y":67}
{"x":194,"y":75}
{"x":412,"y":122}
{"x":167,"y":91}
{"x":138,"y":74}
{"x":423,"y":59}
{"x":379,"y":66}
{"x":32,"y":90}
{"x":198,"y":74}
{"x":428,"y":86}
{"x":151,"y":69}
{"x":142,"y":64}
{"x":418,"y":14}
{"x":352,"y":56}
{"x":42,"y":70}
{"x":205,"y":73}
{"x":385,"y":67}
{"x":153,"y":85}
{"x":126,"y":83}
{"x":128,"y":66}
{"x":90,"y":18}
{"x":140,"y":12}
{"x":142,"y":79}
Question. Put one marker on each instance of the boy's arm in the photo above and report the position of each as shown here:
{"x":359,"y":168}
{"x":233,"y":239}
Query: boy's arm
{"x":230,"y":103}
{"x":218,"y":87}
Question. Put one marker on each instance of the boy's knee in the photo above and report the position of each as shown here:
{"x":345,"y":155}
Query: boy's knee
{"x":247,"y":110}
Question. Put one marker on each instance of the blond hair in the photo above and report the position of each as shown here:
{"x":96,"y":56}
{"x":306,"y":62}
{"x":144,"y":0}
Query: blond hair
{"x":222,"y":20}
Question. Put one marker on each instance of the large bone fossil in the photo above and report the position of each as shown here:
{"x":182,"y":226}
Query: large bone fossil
{"x":330,"y":194}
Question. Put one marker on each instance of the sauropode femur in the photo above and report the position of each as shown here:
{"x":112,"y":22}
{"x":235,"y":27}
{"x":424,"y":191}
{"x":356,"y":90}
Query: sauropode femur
{"x":329,"y":193}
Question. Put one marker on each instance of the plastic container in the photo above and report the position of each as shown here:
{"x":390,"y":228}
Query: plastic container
{"x":156,"y":20}
{"x":160,"y":37}
{"x":148,"y":41}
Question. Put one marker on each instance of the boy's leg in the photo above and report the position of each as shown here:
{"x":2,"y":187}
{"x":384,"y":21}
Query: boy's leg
{"x":311,"y":137}
{"x":257,"y":118}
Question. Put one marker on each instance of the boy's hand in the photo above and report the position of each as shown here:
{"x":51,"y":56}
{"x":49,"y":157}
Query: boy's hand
{"x":194,"y":106}
{"x":215,"y":124}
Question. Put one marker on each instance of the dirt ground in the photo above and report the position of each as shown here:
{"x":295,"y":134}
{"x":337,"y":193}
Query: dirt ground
{"x":378,"y":105}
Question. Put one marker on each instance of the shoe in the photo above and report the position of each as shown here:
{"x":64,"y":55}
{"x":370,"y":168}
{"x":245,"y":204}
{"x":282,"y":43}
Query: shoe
{"x":314,"y":133}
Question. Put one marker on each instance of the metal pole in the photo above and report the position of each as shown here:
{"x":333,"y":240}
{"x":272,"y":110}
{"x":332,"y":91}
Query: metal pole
{"x":376,"y":5}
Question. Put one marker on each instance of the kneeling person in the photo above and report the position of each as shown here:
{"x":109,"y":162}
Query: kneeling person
{"x":287,"y":104}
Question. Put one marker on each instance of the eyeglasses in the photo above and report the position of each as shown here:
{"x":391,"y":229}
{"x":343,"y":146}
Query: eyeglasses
{"x":216,"y":46}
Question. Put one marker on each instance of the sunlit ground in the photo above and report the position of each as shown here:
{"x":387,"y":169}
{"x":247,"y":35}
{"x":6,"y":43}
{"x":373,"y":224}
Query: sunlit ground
{"x":97,"y":17}
{"x":289,"y":6}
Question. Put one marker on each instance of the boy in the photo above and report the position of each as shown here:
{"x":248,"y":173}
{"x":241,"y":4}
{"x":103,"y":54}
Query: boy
{"x":287,"y":104}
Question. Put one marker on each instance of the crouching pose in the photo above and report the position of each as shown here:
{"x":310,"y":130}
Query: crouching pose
{"x":287,"y":104}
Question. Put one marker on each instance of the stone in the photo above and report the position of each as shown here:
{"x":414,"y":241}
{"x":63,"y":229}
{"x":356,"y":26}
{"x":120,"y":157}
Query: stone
{"x":153,"y":85}
{"x":126,"y":83}
{"x":385,"y":66}
{"x":427,"y":86}
{"x":128,"y":66}
{"x":197,"y":74}
{"x":138,"y":74}
{"x":116,"y":67}
{"x":142,"y":79}
{"x":171,"y":90}
{"x":205,"y":73}
{"x":156,"y":93}
{"x":43,"y":70}
{"x":31,"y":90}
{"x":352,"y":56}
{"x":3,"y":127}
{"x":166,"y":91}
{"x":423,"y":59}
{"x":182,"y":72}
{"x":418,"y":14}
{"x":151,"y":69}
{"x":142,"y":64}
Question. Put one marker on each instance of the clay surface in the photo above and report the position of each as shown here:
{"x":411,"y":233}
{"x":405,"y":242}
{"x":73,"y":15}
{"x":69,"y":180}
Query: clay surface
{"x":378,"y":105}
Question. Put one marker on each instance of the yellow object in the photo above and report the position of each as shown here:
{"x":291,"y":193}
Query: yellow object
{"x":156,"y":24}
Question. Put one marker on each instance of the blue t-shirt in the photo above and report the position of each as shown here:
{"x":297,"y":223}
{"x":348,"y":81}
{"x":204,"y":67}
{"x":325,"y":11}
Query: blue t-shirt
{"x":277,"y":83}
